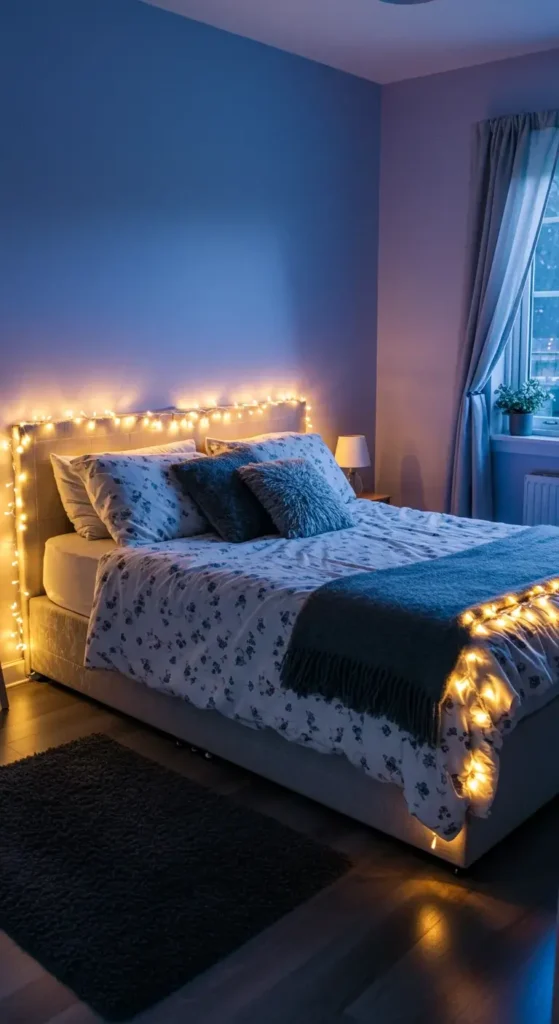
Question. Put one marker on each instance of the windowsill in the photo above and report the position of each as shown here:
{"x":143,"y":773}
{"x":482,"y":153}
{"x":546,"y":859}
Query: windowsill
{"x":537,"y":444}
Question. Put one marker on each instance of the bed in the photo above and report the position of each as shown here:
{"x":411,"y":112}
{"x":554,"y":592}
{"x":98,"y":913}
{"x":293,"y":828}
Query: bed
{"x":223,"y":694}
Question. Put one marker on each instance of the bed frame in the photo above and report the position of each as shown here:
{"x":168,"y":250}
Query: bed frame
{"x":529,"y":777}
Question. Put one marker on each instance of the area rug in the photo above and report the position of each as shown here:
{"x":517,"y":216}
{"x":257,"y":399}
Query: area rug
{"x":125,"y":879}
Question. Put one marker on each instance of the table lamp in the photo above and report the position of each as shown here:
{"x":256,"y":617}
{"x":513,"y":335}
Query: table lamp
{"x":352,"y":454}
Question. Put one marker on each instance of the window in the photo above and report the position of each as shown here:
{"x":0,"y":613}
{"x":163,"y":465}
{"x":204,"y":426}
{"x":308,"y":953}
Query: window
{"x":538,"y":330}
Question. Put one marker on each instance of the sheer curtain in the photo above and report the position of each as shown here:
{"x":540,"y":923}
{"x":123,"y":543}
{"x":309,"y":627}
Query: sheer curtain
{"x":516,"y":161}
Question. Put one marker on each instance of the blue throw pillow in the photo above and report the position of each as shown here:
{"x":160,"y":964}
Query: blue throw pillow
{"x":300,"y":501}
{"x":225,"y":500}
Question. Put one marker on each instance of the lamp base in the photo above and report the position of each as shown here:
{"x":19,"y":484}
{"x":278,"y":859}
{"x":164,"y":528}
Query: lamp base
{"x":355,"y":481}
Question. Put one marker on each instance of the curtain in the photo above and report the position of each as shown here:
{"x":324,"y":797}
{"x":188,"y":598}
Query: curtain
{"x":516,"y":159}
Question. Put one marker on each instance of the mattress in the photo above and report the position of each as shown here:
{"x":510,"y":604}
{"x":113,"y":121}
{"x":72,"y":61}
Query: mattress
{"x":70,"y":568}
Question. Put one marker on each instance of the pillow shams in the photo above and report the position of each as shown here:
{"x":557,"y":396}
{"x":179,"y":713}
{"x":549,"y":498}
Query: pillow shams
{"x":268,"y":447}
{"x":73,"y":494}
{"x":301,"y":503}
{"x":138,"y":497}
{"x":223,"y":497}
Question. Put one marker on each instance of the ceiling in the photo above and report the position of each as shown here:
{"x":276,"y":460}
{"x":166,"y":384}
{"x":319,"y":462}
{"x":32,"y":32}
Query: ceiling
{"x":386,"y":42}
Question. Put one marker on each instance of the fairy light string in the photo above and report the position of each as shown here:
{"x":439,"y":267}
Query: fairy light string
{"x":479,"y":693}
{"x":176,"y":421}
{"x":16,"y":511}
{"x":476,"y":687}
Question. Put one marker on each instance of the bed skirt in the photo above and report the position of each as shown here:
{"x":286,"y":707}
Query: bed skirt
{"x":529,"y":775}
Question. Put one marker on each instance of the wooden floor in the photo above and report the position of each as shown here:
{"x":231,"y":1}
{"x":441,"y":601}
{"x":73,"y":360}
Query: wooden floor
{"x":399,"y":940}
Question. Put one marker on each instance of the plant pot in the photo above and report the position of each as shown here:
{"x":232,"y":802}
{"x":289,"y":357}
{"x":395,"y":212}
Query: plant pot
{"x":521,"y":424}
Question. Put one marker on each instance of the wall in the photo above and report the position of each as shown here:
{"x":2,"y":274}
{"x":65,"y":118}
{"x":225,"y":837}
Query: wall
{"x":425,"y":184}
{"x":509,"y":470}
{"x":185,"y":214}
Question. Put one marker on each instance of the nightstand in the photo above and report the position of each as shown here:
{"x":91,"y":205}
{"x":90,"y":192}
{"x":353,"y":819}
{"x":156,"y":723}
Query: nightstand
{"x":373,"y":496}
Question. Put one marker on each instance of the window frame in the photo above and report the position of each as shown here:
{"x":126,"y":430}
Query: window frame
{"x":519,"y":353}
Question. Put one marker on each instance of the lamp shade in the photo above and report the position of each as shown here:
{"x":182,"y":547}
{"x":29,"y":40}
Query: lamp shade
{"x":352,"y":452}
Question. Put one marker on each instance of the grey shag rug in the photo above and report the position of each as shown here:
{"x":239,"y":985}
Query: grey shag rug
{"x":125,"y":879}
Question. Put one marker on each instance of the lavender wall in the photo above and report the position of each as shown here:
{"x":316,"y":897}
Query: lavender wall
{"x":425,"y":181}
{"x":184,"y":214}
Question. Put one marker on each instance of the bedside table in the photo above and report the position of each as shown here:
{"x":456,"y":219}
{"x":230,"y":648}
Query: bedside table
{"x":373,"y":496}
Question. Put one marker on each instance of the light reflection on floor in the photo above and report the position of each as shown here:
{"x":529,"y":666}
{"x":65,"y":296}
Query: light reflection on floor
{"x":534,"y":985}
{"x":457,"y":928}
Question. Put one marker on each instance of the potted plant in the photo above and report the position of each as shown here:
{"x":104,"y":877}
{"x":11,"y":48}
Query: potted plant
{"x":521,"y":405}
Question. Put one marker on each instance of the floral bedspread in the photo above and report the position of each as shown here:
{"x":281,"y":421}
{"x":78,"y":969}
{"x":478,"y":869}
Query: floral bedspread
{"x":209,"y":622}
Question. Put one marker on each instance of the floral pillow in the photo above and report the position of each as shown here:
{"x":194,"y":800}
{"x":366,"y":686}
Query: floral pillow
{"x":268,"y":447}
{"x":139,"y":498}
{"x":73,"y":494}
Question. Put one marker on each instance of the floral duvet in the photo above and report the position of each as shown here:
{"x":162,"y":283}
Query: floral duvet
{"x":209,"y":622}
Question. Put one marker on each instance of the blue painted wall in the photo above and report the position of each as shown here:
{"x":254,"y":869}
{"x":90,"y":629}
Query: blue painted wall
{"x":184,"y":213}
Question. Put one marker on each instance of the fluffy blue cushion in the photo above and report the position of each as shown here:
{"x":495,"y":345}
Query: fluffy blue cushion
{"x":225,"y":500}
{"x":299,"y":499}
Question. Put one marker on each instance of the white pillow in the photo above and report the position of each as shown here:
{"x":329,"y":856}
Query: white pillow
{"x":290,"y":445}
{"x":73,"y":494}
{"x":139,"y":498}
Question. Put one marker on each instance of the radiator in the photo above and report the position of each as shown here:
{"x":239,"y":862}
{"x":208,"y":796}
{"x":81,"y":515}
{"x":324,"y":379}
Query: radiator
{"x":541,"y":499}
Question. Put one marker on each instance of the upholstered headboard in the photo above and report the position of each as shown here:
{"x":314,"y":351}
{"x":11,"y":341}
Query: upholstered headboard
{"x":39,"y":512}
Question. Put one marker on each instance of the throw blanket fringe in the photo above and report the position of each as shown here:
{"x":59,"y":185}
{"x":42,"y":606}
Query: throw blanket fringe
{"x":386,"y":643}
{"x":368,"y":690}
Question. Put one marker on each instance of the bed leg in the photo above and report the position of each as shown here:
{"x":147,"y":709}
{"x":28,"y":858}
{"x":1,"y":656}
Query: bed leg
{"x":4,"y":702}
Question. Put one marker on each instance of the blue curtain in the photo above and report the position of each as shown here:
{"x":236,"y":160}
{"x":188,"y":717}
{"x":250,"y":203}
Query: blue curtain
{"x":516,"y":159}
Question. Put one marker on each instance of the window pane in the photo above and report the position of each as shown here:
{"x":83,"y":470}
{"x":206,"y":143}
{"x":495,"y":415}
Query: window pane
{"x":544,"y":359}
{"x":547,"y":259}
{"x":545,"y":328}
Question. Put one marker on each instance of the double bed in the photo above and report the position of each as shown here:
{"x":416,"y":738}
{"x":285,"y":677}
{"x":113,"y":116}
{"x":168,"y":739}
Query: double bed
{"x":189,"y":636}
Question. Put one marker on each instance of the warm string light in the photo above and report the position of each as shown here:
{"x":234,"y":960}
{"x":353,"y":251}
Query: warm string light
{"x":505,"y":612}
{"x":495,"y":616}
{"x":483,"y":700}
{"x":15,"y":508}
{"x":21,"y":440}
{"x":477,"y":778}
{"x":194,"y":414}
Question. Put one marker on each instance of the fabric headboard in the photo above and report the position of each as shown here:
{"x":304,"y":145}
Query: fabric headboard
{"x":40,"y":502}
